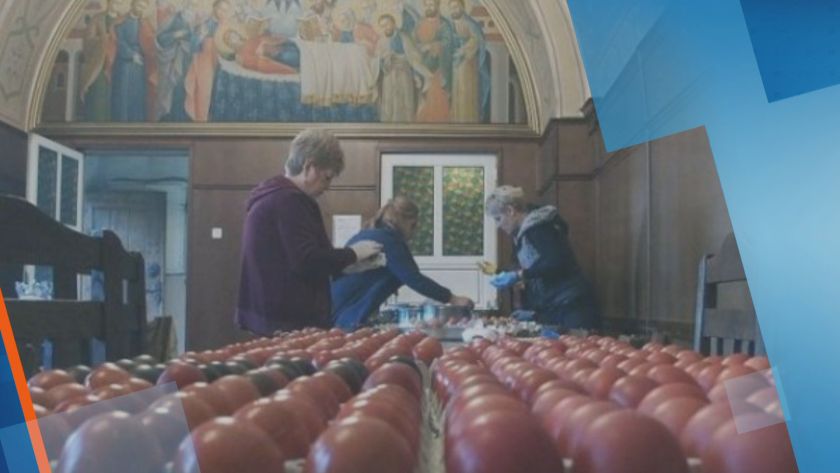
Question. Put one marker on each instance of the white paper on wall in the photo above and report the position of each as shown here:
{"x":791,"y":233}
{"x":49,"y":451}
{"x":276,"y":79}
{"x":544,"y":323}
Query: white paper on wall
{"x":345,"y":227}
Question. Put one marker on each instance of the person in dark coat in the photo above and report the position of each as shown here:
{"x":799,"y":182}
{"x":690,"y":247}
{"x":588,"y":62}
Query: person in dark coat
{"x":556,"y":290}
{"x":287,"y":258}
{"x":358,"y":295}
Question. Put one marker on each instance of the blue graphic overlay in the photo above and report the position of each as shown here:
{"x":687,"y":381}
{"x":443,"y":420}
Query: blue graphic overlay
{"x":694,"y":65}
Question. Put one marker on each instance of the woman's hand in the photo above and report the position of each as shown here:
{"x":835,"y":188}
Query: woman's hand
{"x":366,"y":249}
{"x":462,"y":301}
{"x":505,"y":279}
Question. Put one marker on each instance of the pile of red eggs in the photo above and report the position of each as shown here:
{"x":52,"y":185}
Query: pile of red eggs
{"x":249,"y":407}
{"x":348,"y":403}
{"x":525,"y":406}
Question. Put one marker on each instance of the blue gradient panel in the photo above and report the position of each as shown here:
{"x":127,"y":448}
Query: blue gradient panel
{"x":4,"y":468}
{"x":17,"y":453}
{"x":796,"y":44}
{"x":779,"y":167}
{"x":20,"y":457}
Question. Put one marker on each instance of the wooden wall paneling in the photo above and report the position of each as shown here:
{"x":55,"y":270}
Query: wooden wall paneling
{"x":13,"y":154}
{"x":361,"y":167}
{"x":689,"y":218}
{"x":547,"y":165}
{"x":547,"y":194}
{"x":623,"y":237}
{"x":518,"y":166}
{"x":575,"y":200}
{"x":344,"y":201}
{"x":213,"y":267}
{"x":574,"y":151}
{"x":599,"y":148}
{"x":237,"y":162}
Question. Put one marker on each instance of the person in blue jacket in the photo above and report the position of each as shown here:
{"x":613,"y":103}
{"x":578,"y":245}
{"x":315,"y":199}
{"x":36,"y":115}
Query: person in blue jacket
{"x":556,"y":290}
{"x":357,"y":296}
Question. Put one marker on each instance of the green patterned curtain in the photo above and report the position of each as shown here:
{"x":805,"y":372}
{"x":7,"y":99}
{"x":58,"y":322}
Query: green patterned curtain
{"x":418,"y":184}
{"x":463,"y":211}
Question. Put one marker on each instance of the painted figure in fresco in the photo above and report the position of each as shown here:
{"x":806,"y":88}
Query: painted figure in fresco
{"x":202,"y":71}
{"x":133,"y":95}
{"x":259,"y":53}
{"x":316,"y":25}
{"x":349,"y":30}
{"x":434,"y":35}
{"x":368,"y":9}
{"x":470,"y":68}
{"x":408,"y":14}
{"x":175,"y":52}
{"x":402,"y":73}
{"x":99,"y":45}
{"x":283,"y":16}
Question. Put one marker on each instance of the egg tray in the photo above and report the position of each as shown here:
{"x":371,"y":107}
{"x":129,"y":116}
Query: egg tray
{"x":428,"y":433}
{"x":434,"y":461}
{"x":432,"y":439}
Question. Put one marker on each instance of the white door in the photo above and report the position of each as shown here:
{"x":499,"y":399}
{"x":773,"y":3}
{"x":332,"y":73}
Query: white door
{"x":54,"y":183}
{"x":454,"y":234}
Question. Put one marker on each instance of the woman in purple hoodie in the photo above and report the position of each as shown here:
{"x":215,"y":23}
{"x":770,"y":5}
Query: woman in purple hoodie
{"x":287,"y":257}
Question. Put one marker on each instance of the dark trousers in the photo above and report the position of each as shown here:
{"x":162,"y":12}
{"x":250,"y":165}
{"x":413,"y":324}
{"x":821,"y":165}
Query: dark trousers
{"x":580,"y":312}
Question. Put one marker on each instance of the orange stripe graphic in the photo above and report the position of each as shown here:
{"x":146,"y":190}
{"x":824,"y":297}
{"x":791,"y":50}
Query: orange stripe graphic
{"x":22,"y":389}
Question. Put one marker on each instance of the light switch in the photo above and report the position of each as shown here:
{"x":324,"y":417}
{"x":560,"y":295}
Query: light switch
{"x":216,"y":233}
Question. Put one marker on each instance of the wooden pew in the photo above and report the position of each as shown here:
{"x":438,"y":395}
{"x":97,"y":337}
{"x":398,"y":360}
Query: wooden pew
{"x":28,"y":236}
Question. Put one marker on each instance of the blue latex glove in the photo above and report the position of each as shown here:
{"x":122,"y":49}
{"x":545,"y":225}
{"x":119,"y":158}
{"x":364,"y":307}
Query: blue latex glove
{"x":523,"y":315}
{"x":549,"y":334}
{"x":504,"y":280}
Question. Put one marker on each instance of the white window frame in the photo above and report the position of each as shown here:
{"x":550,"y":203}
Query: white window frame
{"x":36,"y":142}
{"x":487,"y":297}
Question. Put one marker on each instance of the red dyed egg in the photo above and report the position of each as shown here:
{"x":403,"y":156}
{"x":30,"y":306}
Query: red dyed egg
{"x":107,"y":373}
{"x":698,"y":431}
{"x":226,"y":445}
{"x":184,"y":406}
{"x":237,"y":389}
{"x":360,"y":445}
{"x":546,"y":401}
{"x":667,"y":392}
{"x":767,"y":449}
{"x":182,"y":374}
{"x":630,"y":390}
{"x":627,"y":442}
{"x":109,"y":443}
{"x":567,"y":439}
{"x":212,"y":396}
{"x":285,"y":427}
{"x":601,"y":381}
{"x":503,"y":442}
{"x":665,"y":374}
{"x":676,"y":412}
{"x":64,"y":392}
{"x":47,"y":380}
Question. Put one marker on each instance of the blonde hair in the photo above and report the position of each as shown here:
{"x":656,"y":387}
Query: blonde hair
{"x":396,"y":212}
{"x":503,"y":197}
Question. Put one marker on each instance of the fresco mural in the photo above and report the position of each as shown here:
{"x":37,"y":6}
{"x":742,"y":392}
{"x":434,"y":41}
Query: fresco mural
{"x":391,"y":61}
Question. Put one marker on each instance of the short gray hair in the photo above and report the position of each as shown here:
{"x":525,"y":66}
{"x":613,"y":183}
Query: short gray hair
{"x":318,"y":146}
{"x":503,"y":197}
